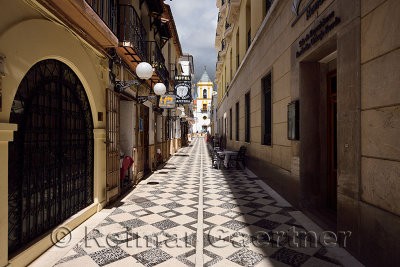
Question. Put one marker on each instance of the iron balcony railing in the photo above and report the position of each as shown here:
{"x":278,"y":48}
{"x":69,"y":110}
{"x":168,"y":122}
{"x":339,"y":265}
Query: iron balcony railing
{"x":157,"y":59}
{"x":156,"y":56}
{"x":131,"y":30}
{"x":163,"y":73}
{"x":107,"y":11}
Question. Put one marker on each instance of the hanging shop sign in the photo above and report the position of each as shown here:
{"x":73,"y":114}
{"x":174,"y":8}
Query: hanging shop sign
{"x":167,"y":101}
{"x":182,"y":78}
{"x":183,"y":90}
{"x":317,"y":33}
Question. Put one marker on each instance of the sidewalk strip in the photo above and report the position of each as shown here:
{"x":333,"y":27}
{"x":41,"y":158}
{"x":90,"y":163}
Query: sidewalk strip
{"x":199,"y":236}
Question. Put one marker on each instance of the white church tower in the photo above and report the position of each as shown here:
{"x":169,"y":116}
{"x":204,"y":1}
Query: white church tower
{"x":203,"y":104}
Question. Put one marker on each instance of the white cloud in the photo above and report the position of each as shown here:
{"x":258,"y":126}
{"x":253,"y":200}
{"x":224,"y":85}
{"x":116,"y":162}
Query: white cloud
{"x":196,"y":22}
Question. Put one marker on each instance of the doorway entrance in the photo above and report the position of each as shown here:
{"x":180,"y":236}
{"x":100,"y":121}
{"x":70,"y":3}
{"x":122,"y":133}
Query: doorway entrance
{"x":113,"y":144}
{"x":51,"y":158}
{"x":332,"y":141}
{"x":143,"y":140}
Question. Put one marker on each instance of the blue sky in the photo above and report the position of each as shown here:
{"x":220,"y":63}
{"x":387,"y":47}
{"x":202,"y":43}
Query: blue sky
{"x":196,"y":22}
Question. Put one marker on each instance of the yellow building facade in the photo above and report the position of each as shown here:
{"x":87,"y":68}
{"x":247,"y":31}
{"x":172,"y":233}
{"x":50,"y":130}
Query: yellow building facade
{"x":203,"y":104}
{"x":61,"y":134}
{"x":309,"y":88}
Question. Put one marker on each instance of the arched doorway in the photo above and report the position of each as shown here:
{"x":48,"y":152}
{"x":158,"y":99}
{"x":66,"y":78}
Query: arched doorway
{"x":51,"y":157}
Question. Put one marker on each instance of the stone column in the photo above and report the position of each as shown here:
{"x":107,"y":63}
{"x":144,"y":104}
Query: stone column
{"x":6,"y":135}
{"x":100,"y":178}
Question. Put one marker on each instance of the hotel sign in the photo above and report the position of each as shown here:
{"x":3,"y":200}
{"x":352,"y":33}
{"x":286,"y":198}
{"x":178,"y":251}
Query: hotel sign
{"x":182,"y":78}
{"x":167,"y":101}
{"x":183,"y":90}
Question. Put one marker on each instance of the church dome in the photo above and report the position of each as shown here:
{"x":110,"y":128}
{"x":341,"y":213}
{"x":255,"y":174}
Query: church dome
{"x":205,"y":78}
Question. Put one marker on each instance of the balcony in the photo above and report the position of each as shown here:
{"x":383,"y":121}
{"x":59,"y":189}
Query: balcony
{"x":157,"y":59}
{"x":233,"y":10}
{"x":217,"y":40}
{"x":228,"y":31}
{"x":155,"y":6}
{"x":220,"y":59}
{"x":223,"y":8}
{"x":134,"y":48}
{"x":132,"y":34}
{"x":220,"y":23}
{"x":223,"y":48}
{"x":95,"y":20}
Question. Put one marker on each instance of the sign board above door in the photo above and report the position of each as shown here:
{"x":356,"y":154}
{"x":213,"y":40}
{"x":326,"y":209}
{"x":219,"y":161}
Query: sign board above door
{"x":167,"y":101}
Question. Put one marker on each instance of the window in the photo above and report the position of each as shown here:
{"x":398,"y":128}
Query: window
{"x":247,"y":118}
{"x":230,"y":124}
{"x":248,"y":23}
{"x":268,"y":4}
{"x":249,"y":38}
{"x":266,"y":110}
{"x":205,"y":93}
{"x":237,"y":121}
{"x":237,"y":50}
{"x":204,"y":107}
{"x":230,"y":62}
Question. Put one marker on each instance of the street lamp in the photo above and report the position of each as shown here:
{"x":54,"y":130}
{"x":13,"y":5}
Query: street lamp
{"x":160,"y":89}
{"x":144,"y":71}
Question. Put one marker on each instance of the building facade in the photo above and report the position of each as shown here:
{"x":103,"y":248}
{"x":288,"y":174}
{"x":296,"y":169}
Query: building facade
{"x":68,"y":117}
{"x":311,"y":89}
{"x":203,"y":104}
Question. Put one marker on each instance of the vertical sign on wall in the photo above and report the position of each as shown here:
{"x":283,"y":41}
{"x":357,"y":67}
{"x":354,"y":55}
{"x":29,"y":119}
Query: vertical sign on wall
{"x":183,"y":92}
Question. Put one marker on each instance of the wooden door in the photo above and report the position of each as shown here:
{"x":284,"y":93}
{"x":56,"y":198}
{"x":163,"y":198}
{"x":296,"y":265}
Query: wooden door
{"x":112,"y":145}
{"x":332,"y":141}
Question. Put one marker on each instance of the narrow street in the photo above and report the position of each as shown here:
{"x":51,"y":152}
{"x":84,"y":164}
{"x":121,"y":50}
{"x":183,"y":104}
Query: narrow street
{"x":189,"y":214}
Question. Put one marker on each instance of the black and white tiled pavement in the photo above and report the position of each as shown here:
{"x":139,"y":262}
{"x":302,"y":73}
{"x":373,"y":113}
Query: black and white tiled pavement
{"x":157,"y":225}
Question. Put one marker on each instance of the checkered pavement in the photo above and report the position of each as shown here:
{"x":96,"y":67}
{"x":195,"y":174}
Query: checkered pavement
{"x":157,"y":224}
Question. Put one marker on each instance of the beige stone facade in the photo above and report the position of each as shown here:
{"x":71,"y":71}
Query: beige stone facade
{"x":88,"y":47}
{"x":358,"y":41}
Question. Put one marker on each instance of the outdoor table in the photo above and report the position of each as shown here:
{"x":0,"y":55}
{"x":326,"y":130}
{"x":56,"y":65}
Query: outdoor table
{"x":227,"y":155}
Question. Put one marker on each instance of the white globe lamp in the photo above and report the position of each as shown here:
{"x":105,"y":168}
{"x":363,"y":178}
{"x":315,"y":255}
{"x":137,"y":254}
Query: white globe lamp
{"x":160,"y":89}
{"x":144,"y":71}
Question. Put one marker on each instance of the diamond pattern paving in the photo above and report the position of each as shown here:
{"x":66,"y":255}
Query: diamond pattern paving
{"x":158,"y":224}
